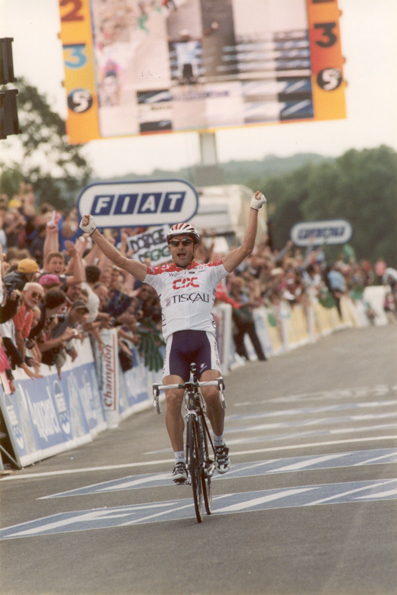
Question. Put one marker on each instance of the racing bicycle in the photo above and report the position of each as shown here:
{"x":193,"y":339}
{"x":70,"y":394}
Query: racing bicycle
{"x":200,"y":451}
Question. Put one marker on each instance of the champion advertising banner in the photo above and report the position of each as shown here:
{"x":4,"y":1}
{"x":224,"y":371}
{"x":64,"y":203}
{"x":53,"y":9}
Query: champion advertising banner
{"x":109,"y":378}
{"x":137,"y":67}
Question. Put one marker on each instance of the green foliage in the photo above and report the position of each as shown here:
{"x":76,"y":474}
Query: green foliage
{"x":149,"y":347}
{"x":360,"y":186}
{"x":10,"y":179}
{"x":56,"y":169}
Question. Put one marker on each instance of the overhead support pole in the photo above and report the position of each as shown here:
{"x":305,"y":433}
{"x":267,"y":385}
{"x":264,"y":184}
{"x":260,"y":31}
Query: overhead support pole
{"x":208,"y":152}
{"x":208,"y":172}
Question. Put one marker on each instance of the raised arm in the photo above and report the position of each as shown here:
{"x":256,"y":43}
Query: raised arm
{"x":235,"y":257}
{"x":51,"y":242}
{"x":135,"y":268}
{"x":75,"y":265}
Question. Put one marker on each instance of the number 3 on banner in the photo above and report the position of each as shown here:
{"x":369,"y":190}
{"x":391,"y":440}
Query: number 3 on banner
{"x":75,"y":55}
{"x":73,"y":14}
{"x":327,"y":33}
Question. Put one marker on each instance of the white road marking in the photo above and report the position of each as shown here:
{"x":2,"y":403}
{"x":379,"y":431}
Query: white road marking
{"x":86,"y":470}
{"x":348,"y":493}
{"x":241,"y":470}
{"x":241,"y":506}
{"x":308,"y":463}
{"x":168,"y":461}
{"x":379,"y":495}
{"x":176,"y":510}
{"x":315,"y":410}
{"x":359,"y":392}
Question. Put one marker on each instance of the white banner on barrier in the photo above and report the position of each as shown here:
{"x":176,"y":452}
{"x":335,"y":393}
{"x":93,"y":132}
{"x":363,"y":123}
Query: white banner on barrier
{"x":50,"y":415}
{"x":109,"y":385}
{"x":223,"y":321}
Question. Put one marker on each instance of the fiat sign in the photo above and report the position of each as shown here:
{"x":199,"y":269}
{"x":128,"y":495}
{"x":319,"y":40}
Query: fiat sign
{"x":139,"y":203}
{"x":337,"y":231}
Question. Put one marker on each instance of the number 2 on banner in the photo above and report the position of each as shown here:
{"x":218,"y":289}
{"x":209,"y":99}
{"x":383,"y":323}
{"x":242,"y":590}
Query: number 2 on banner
{"x":73,"y":14}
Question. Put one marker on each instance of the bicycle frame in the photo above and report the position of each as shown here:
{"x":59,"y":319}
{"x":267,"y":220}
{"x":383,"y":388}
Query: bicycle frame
{"x":198,"y":436}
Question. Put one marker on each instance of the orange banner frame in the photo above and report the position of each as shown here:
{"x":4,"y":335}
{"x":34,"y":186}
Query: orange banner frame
{"x":83,"y":123}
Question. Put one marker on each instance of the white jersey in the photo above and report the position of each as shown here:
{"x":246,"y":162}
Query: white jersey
{"x":186,"y":295}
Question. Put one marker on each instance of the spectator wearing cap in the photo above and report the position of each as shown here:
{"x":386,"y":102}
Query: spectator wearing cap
{"x":26,"y":272}
{"x":49,"y":281}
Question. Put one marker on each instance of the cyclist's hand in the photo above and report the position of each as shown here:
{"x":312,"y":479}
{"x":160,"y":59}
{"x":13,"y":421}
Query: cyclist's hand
{"x":257,"y":201}
{"x":87,"y":224}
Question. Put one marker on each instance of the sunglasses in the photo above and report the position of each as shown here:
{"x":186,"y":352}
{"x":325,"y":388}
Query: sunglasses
{"x":36,"y":295}
{"x":184,"y":242}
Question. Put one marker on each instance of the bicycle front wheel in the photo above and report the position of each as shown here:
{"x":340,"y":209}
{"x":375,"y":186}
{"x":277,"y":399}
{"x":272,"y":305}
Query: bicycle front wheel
{"x":206,"y":467}
{"x":194,"y":464}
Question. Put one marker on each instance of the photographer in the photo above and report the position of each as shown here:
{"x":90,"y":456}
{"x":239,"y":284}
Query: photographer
{"x":58,"y":341}
{"x":53,"y":303}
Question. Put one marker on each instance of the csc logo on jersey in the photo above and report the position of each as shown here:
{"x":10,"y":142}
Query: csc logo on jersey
{"x":185,"y":283}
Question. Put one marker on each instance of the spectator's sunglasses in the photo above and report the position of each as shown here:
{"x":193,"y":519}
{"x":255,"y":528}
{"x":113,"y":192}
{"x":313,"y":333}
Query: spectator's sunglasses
{"x":36,"y":295}
{"x":184,"y":242}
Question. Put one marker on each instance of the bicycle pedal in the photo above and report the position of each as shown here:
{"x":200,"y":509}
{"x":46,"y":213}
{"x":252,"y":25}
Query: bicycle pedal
{"x":209,"y":471}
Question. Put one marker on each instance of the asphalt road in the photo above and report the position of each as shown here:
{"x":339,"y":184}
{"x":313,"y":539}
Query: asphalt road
{"x":309,"y":506}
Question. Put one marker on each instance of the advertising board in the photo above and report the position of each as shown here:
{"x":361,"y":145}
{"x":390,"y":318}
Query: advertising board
{"x":138,"y":203}
{"x":136,"y":67}
{"x":336,"y":231}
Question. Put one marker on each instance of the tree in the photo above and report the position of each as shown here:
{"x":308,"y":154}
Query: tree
{"x":360,"y":186}
{"x":56,"y":169}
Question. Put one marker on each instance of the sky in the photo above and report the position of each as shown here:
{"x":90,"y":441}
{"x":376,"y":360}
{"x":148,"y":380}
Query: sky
{"x":368,"y":44}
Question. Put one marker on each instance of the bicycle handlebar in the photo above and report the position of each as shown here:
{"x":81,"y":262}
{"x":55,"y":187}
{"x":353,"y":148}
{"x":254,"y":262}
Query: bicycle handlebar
{"x":160,"y":387}
{"x":219,"y":382}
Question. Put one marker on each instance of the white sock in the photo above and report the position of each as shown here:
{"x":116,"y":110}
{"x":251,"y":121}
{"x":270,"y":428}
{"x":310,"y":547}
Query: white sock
{"x":179,"y":456}
{"x":219,"y":440}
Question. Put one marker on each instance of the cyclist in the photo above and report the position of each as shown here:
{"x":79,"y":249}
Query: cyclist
{"x":187,"y":293}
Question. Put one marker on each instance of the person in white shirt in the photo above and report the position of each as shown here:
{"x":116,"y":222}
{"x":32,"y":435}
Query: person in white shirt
{"x":187,"y":292}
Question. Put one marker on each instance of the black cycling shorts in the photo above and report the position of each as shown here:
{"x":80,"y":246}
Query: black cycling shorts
{"x":187,"y":347}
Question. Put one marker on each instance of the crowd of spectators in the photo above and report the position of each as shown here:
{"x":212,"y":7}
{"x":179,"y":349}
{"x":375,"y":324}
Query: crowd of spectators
{"x":275,"y":278}
{"x":58,"y":287}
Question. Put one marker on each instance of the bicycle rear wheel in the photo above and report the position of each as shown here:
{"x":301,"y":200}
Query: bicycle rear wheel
{"x":194,"y":465}
{"x":206,"y":469}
